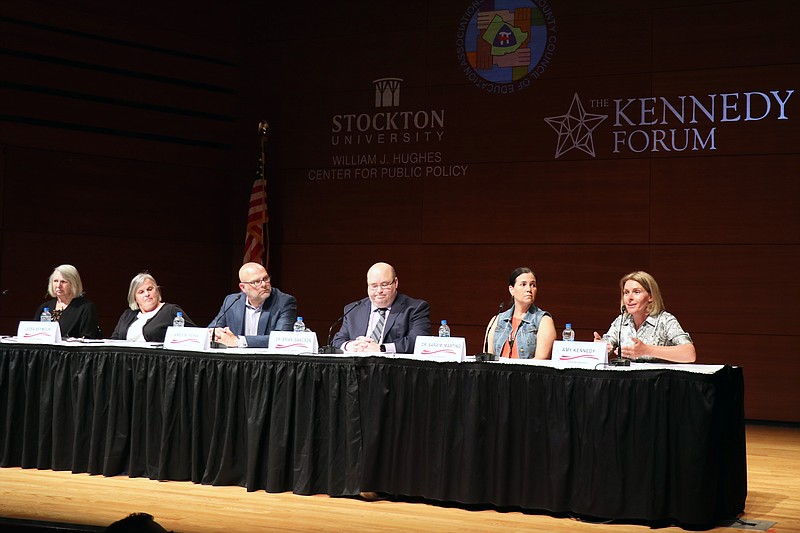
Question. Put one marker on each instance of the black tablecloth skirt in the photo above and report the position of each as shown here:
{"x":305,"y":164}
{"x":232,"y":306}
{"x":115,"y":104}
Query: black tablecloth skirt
{"x":636,"y":445}
{"x":277,"y":424}
{"x":648,"y":445}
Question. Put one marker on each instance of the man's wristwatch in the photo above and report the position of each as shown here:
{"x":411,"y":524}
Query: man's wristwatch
{"x":383,"y":347}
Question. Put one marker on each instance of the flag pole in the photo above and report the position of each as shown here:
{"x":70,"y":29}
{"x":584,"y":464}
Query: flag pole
{"x":256,"y":241}
{"x":263,"y":127}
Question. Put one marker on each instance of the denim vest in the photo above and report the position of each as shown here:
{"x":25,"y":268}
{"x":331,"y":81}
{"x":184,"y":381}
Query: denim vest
{"x":526,"y":334}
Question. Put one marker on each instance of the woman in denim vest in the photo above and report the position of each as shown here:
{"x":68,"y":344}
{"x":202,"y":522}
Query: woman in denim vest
{"x":523,"y":330}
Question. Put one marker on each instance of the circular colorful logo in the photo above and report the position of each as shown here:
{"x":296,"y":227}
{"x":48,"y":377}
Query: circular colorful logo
{"x":505,"y":44}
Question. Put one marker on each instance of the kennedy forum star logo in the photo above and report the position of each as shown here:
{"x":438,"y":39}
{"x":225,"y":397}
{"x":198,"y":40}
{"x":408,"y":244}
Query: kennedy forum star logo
{"x":575,"y":128}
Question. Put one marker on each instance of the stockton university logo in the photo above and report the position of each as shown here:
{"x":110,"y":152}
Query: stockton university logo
{"x":504,"y":44}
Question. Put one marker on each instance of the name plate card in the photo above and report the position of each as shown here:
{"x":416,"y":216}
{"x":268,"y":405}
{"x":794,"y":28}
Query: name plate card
{"x":440,"y":348}
{"x":293,"y":342}
{"x":38,"y":332}
{"x":580,"y":352}
{"x":196,"y":339}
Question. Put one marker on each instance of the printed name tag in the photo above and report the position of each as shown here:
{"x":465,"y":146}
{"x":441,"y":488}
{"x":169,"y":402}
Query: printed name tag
{"x":440,"y":348}
{"x":38,"y":332}
{"x":196,"y":339}
{"x":580,"y":352}
{"x":297,"y":343}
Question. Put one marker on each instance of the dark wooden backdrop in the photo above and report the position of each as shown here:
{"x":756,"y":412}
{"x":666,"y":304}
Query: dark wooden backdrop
{"x":129,"y":143}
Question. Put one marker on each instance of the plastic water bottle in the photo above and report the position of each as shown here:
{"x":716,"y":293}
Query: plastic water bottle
{"x":569,"y":333}
{"x":46,"y":316}
{"x":300,"y":325}
{"x":444,"y":329}
{"x":178,"y":322}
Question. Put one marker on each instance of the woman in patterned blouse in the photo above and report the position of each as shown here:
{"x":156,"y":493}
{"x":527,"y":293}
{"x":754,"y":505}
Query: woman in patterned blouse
{"x":645,"y":329}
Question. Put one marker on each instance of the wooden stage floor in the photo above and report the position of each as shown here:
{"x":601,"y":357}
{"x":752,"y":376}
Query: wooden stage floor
{"x":773,"y":458}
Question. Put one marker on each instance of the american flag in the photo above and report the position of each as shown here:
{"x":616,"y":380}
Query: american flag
{"x":256,"y":240}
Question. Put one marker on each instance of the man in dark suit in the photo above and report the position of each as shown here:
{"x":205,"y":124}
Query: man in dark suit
{"x":246,"y":318}
{"x":384,"y":321}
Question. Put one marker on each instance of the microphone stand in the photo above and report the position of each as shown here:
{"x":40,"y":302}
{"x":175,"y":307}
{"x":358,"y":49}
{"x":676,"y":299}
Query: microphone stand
{"x":619,"y":360}
{"x":486,"y":355}
{"x":214,"y":343}
{"x":330,"y":349}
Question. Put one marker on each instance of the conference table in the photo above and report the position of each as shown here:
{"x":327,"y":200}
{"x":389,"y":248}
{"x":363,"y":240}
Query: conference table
{"x":646,"y":443}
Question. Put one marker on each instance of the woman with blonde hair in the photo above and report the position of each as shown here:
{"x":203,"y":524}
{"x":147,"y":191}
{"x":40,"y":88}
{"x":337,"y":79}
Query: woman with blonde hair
{"x":75,"y":314}
{"x":645,"y":328}
{"x":148,"y":316}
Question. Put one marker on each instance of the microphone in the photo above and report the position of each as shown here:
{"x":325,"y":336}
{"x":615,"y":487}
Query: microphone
{"x":214,"y":343}
{"x":331,"y":349}
{"x":619,"y":360}
{"x":486,"y":355}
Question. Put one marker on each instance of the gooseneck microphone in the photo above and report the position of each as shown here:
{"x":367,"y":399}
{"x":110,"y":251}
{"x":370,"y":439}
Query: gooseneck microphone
{"x":620,"y":361}
{"x":214,"y":343}
{"x":485,"y":355}
{"x":329,"y":348}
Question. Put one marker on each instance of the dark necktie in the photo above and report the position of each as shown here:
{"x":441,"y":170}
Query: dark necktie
{"x":377,"y":333}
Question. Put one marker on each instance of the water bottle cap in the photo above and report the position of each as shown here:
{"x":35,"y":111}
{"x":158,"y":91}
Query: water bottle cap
{"x":299,"y":319}
{"x":444,"y":322}
{"x":47,"y":309}
{"x":569,"y":324}
{"x":180,"y":314}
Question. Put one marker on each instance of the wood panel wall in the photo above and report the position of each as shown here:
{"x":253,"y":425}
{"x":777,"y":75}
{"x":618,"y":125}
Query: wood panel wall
{"x":119,"y":150}
{"x":129,"y":142}
{"x":718,"y":228}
